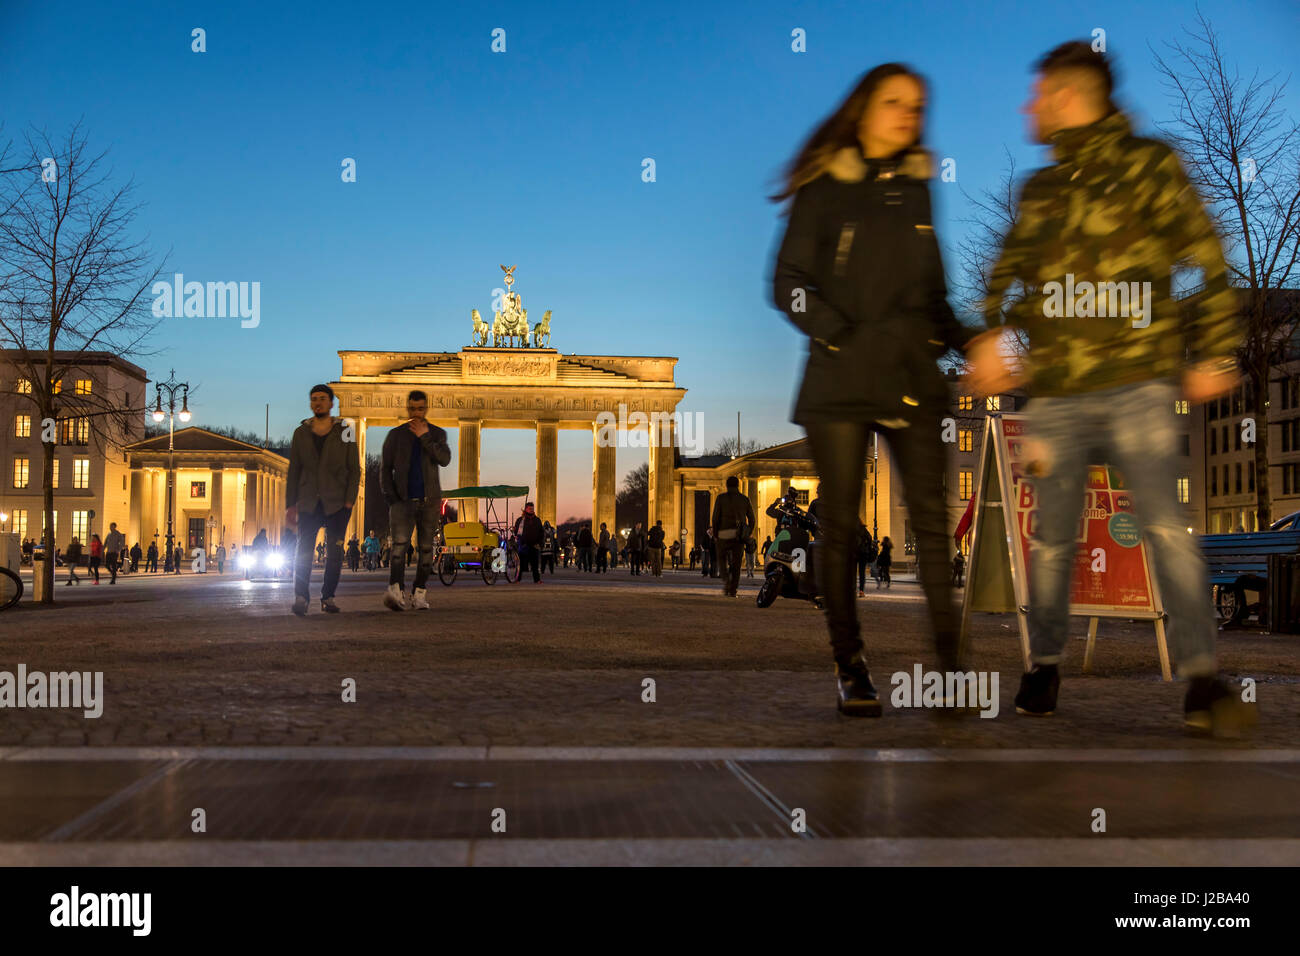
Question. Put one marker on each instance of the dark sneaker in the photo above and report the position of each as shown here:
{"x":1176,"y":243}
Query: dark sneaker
{"x":300,"y":606}
{"x":1214,"y":706}
{"x":328,"y":605}
{"x":857,"y":695}
{"x":1038,"y":690}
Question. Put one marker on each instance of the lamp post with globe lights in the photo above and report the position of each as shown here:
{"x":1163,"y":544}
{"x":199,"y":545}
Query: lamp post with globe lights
{"x":171,"y":386}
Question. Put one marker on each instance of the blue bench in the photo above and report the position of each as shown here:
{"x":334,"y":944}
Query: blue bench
{"x":1239,"y":562}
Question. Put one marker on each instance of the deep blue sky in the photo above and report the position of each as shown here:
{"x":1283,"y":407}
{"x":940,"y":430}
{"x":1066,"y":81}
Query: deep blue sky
{"x":467,"y":159}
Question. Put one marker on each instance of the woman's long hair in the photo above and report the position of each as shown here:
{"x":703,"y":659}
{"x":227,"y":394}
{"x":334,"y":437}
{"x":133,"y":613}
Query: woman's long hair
{"x":838,"y":130}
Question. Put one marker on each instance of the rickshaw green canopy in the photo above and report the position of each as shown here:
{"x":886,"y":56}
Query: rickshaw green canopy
{"x":488,"y":491}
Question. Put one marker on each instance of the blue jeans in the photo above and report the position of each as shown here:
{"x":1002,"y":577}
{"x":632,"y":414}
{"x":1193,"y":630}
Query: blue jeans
{"x":1134,"y":428}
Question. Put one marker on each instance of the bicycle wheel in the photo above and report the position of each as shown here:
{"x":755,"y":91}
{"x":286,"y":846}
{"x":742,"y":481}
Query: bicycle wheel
{"x":485,"y":567}
{"x":11,"y":588}
{"x":513,"y":566}
{"x":447,"y":569}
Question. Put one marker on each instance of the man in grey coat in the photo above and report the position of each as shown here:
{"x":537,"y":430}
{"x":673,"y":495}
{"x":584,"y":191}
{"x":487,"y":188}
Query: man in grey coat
{"x":321,"y":488}
{"x":408,"y":476}
{"x":114,"y":545}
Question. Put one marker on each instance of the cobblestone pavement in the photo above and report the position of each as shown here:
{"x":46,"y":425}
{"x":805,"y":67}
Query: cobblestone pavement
{"x":213,"y":661}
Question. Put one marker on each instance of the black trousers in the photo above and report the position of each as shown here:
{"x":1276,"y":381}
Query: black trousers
{"x":634,"y":557}
{"x":730,"y":554}
{"x":309,"y":525}
{"x":529,"y":557}
{"x":840,"y":451}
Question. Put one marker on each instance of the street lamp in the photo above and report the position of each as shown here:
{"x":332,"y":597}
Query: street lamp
{"x":171,"y":386}
{"x":4,"y":517}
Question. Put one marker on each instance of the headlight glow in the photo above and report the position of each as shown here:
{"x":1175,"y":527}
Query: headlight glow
{"x":275,"y":560}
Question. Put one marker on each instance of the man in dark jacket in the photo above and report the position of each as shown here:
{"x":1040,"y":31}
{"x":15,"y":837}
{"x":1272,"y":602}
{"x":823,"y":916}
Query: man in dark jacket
{"x":320,"y":490}
{"x":602,"y":548}
{"x":733,"y":518}
{"x":636,"y":547}
{"x":585,"y":545}
{"x":655,"y":542}
{"x":530,"y":533}
{"x":408,"y":476}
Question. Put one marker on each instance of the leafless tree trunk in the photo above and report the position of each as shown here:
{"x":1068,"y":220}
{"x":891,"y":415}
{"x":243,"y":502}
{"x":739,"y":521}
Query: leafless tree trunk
{"x":72,"y":281}
{"x":1243,"y":153}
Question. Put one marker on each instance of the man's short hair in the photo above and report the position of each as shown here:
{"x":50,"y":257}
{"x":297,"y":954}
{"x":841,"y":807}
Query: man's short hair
{"x":1077,"y":63}
{"x":733,"y":482}
{"x":322,"y":388}
{"x":415,"y":395}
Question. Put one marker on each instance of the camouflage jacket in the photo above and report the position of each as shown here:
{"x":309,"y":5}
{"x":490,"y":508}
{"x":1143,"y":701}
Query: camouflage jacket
{"x":1096,"y":238}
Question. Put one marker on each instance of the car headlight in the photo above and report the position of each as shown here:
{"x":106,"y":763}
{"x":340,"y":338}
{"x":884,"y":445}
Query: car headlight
{"x":275,"y":561}
{"x":246,"y":561}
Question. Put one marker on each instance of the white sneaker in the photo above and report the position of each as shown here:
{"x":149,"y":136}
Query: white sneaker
{"x":418,"y":602}
{"x":394,"y":598}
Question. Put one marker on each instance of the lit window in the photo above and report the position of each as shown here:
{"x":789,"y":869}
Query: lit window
{"x":81,"y":526}
{"x":965,"y":484}
{"x":74,"y":431}
{"x":55,"y":483}
{"x":82,"y":387}
{"x":1180,"y":407}
{"x":19,"y":523}
{"x":56,"y":526}
{"x":801,"y":497}
{"x":83,"y":431}
{"x":58,"y":386}
{"x":965,"y":403}
{"x":21,"y":467}
{"x":198,"y":489}
{"x":23,"y":426}
{"x":965,"y":439}
{"x":81,"y":472}
{"x":24,"y":386}
{"x":1183,"y":493}
{"x":993,"y":403}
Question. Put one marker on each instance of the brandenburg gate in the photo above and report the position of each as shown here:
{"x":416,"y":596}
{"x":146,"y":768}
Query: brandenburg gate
{"x":514,"y":384}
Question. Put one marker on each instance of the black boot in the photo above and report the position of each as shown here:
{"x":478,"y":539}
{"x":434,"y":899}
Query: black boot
{"x":857,"y":695}
{"x":1038,"y":690}
{"x":1214,"y":706}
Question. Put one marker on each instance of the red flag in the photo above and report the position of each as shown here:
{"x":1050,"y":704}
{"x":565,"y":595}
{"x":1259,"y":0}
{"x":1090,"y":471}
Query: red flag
{"x":964,"y":524}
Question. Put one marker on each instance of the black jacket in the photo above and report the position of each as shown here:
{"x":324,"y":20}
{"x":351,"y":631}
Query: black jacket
{"x":528,"y":529}
{"x":330,"y":478}
{"x":395,"y":468}
{"x":861,"y":260}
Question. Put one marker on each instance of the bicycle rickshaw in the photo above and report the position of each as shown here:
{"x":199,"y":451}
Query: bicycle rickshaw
{"x":473,"y":545}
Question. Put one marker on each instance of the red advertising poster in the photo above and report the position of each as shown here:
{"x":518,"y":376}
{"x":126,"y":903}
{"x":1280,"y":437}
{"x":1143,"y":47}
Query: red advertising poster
{"x":1110,"y":564}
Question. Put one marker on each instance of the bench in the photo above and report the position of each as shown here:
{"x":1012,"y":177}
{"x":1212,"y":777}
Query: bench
{"x":1239,"y":562}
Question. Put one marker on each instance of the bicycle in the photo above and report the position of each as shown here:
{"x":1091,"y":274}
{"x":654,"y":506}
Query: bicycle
{"x":11,"y":589}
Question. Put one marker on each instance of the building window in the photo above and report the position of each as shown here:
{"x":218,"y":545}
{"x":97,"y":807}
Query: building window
{"x":1225,"y":481}
{"x":81,"y":527}
{"x":1286,"y":438}
{"x":56,"y":526}
{"x":965,"y":403}
{"x":1211,"y":411}
{"x":22,"y":426}
{"x":1214,"y":482}
{"x":58,"y":386}
{"x":1237,"y":432}
{"x":1214,"y":441}
{"x":21,"y":467}
{"x":965,"y":484}
{"x":1250,"y":477}
{"x":81,"y":472}
{"x":993,"y":403}
{"x":1295,"y":433}
{"x":74,"y":431}
{"x":19,"y":525}
{"x":1236,"y":402}
{"x":1225,"y":439}
{"x":1187,"y":444}
{"x":198,"y":489}
{"x":1183,"y":493}
{"x":1286,"y":479}
{"x":1180,"y":407}
{"x":1250,"y":397}
{"x":82,"y":387}
{"x":800,"y":496}
{"x":1238,"y":473}
{"x":965,"y":439}
{"x":55,"y":482}
{"x":23,"y":386}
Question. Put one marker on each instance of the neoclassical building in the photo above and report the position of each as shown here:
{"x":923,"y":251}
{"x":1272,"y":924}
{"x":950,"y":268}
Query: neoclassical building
{"x":225,"y":491}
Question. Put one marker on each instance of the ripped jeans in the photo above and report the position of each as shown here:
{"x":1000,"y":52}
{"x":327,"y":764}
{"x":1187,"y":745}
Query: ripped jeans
{"x":1135,"y":429}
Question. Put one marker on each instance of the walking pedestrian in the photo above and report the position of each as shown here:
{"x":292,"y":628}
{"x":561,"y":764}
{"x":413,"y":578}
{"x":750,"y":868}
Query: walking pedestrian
{"x":71,"y":557}
{"x":114,"y":545}
{"x":602,"y":549}
{"x":867,"y":553}
{"x":529,"y":533}
{"x":221,"y":558}
{"x":655,"y":547}
{"x":1104,"y":387}
{"x":96,"y":555}
{"x":636,"y":547}
{"x":548,"y":548}
{"x":733,"y":517}
{"x":136,"y":556}
{"x":884,"y":561}
{"x":320,"y":491}
{"x":751,"y":547}
{"x":408,"y":474}
{"x":151,"y":564}
{"x":585,"y":545}
{"x":859,"y":273}
{"x":958,"y":569}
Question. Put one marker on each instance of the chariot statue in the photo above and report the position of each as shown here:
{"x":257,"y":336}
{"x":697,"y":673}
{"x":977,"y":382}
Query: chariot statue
{"x":509,"y":327}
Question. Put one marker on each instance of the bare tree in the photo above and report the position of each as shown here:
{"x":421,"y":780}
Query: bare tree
{"x":993,"y":213}
{"x":72,"y":282}
{"x":734,"y":447}
{"x":1243,"y":153}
